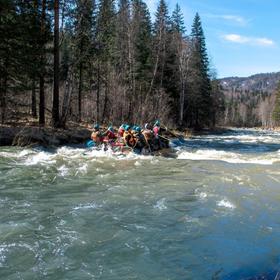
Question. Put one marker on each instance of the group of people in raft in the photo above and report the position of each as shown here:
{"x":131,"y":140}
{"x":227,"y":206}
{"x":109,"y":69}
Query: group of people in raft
{"x":134,"y":137}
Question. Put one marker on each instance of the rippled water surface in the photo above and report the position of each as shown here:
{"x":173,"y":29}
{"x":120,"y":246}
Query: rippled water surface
{"x":210,"y":211}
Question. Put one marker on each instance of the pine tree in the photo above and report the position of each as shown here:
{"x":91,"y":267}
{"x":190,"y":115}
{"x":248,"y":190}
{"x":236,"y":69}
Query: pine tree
{"x":123,"y":40}
{"x":276,"y":111}
{"x":142,"y":30}
{"x":8,"y":28}
{"x":105,"y":36}
{"x":84,"y":23}
{"x":178,"y":64}
{"x":161,"y":29}
{"x":200,"y":87}
{"x":177,"y":23}
{"x":123,"y":57}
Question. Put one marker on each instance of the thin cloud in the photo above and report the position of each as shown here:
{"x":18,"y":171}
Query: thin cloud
{"x":239,"y":39}
{"x":232,"y":18}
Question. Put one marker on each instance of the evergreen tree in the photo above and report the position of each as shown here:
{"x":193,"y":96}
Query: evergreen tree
{"x":160,"y":30}
{"x":276,"y":111}
{"x":177,"y":64}
{"x":177,"y":23}
{"x":123,"y":40}
{"x":200,"y":86}
{"x":84,"y":23}
{"x":123,"y":54}
{"x":142,"y":42}
{"x":8,"y":29}
{"x":105,"y":36}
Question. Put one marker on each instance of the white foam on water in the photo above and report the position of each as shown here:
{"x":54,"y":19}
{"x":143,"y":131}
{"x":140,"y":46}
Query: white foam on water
{"x":154,"y":161}
{"x":139,"y":227}
{"x":25,"y":153}
{"x":63,"y":170}
{"x":189,"y":219}
{"x":91,"y":205}
{"x":160,"y":204}
{"x":40,"y":158}
{"x":83,"y":168}
{"x":137,"y":163}
{"x":226,"y":204}
{"x":202,"y":195}
{"x":70,"y":152}
{"x":241,"y":137}
{"x":230,"y":157}
{"x":3,"y":257}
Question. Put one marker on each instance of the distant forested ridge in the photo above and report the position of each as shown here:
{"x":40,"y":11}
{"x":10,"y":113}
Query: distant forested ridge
{"x":104,"y":61}
{"x":251,"y":101}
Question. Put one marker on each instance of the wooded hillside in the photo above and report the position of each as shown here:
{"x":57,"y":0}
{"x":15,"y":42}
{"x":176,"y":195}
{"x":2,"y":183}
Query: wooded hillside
{"x":250,"y":101}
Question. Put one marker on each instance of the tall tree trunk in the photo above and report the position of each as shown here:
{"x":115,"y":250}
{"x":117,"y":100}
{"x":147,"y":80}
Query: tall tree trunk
{"x":55,"y":108}
{"x":42,"y":74}
{"x":3,"y":92}
{"x":80,"y":91}
{"x":42,"y":101}
{"x":66,"y":100}
{"x":182,"y":103}
{"x":105,"y":102}
{"x":33,"y":99}
{"x":98,"y":92}
{"x":4,"y":85}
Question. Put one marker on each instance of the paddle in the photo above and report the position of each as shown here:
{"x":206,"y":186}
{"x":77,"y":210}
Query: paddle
{"x":179,"y":137}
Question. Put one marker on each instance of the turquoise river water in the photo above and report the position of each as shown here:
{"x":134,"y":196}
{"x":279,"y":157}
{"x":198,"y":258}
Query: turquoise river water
{"x":210,"y":211}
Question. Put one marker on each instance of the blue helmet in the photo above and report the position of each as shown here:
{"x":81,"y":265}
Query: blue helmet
{"x":138,"y":129}
{"x":110,"y":128}
{"x":127,"y":127}
{"x":96,"y":126}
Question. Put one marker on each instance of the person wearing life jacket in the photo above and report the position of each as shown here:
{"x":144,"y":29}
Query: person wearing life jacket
{"x":156,"y":128}
{"x":147,"y":132}
{"x":97,"y":135}
{"x":156,"y":131}
{"x":121,"y":131}
{"x":110,"y":133}
{"x":159,"y":141}
{"x":110,"y":136}
{"x":148,"y":136}
{"x":140,"y":140}
{"x":128,"y":137}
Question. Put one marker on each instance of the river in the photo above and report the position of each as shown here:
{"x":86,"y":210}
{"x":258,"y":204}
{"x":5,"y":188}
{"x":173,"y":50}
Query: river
{"x":211,"y":211}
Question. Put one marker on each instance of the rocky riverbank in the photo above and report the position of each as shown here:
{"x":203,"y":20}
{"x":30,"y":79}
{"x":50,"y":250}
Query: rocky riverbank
{"x":30,"y":135}
{"x":44,"y":136}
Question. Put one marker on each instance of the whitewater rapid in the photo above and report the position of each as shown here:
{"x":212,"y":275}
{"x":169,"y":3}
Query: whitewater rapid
{"x":241,"y":146}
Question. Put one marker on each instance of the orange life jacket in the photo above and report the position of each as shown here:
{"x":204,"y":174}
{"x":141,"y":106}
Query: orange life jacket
{"x":147,"y":134}
{"x":129,"y":139}
{"x":96,"y":136}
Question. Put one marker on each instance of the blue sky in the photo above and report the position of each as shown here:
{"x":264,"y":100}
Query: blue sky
{"x":242,"y":36}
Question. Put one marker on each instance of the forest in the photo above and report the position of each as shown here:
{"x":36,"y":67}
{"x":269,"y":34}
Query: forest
{"x":251,"y":101}
{"x":105,"y":61}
